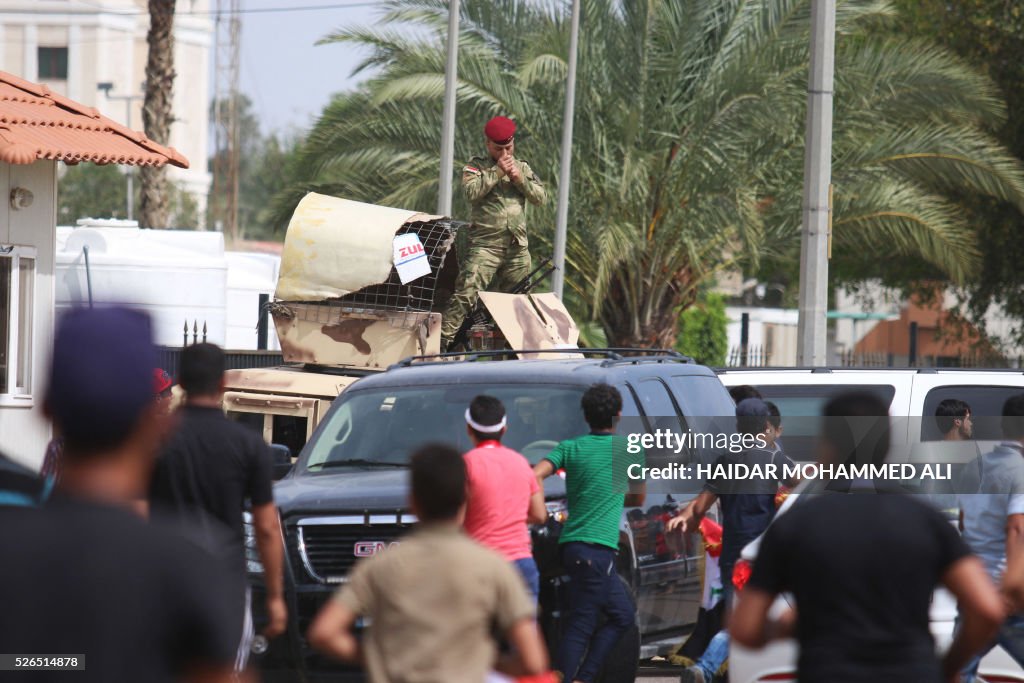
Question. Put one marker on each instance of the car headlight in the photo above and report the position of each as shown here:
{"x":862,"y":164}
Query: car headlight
{"x":252,"y":555}
{"x":558,"y":510}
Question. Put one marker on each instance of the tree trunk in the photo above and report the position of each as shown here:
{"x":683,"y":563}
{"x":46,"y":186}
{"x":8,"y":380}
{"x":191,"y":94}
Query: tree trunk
{"x":157,"y":110}
{"x":659,"y":325}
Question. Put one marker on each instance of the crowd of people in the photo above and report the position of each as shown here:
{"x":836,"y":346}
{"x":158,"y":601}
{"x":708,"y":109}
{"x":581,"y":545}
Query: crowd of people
{"x":861,"y":569}
{"x":134,"y":555}
{"x":131,"y":549}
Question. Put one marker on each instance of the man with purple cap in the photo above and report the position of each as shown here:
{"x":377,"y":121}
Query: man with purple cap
{"x":86,"y":581}
{"x":497,"y":186}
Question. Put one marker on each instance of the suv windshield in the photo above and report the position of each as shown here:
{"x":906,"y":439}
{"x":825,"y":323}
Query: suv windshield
{"x":382,"y":427}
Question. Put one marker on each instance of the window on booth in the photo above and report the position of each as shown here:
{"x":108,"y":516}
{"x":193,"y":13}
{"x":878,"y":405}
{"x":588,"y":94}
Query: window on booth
{"x":17,"y":293}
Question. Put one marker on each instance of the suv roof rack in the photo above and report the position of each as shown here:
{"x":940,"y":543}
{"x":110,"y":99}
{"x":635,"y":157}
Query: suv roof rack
{"x":612,"y":355}
{"x":661,"y":358}
{"x":859,"y":368}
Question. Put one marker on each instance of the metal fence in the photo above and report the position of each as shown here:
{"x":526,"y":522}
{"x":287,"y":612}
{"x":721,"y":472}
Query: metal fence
{"x":751,"y":356}
{"x":988,"y":360}
{"x":757,"y":356}
{"x":170,"y":359}
{"x":849,"y":359}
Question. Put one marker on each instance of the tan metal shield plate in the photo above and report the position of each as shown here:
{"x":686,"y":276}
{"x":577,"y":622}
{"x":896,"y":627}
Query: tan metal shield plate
{"x":533,"y":321}
{"x":329,"y":335}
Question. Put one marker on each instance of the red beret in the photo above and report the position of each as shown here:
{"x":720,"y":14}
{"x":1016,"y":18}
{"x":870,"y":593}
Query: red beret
{"x":500,"y":129}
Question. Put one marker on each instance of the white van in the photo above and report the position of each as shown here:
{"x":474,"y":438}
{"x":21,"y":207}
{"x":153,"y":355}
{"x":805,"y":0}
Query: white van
{"x":910,"y":393}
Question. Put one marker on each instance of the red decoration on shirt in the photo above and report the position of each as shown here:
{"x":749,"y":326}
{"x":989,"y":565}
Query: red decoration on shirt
{"x":712,"y":534}
{"x":741,"y":574}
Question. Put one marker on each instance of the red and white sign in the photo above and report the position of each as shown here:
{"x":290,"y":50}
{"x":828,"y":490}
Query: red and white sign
{"x":410,"y":257}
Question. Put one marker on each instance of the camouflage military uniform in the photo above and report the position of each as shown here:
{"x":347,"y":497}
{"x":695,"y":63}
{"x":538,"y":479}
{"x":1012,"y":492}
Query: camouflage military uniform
{"x":498,"y":255}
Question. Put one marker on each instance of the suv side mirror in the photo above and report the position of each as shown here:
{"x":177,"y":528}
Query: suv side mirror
{"x":282,"y":458}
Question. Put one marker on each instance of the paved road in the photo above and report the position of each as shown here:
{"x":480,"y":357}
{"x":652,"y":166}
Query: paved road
{"x":661,"y":675}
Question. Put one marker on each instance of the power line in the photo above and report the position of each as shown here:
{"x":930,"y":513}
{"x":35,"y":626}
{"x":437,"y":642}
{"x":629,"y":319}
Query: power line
{"x":195,"y":13}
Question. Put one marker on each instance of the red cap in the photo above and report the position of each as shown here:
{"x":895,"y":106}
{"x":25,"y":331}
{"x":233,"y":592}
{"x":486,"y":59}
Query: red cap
{"x":500,"y":129}
{"x":161,"y":381}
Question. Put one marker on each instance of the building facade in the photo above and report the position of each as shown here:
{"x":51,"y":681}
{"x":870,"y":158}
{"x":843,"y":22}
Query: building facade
{"x":72,"y":47}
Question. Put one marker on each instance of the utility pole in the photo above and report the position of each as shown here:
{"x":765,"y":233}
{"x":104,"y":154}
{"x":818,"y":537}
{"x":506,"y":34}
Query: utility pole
{"x":106,"y":87}
{"x":562,"y":221}
{"x":227,"y":148}
{"x":812,"y":330}
{"x":451,"y":80}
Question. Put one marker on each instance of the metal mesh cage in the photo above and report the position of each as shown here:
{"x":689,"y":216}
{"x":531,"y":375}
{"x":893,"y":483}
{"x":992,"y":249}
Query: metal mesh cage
{"x":403,"y":305}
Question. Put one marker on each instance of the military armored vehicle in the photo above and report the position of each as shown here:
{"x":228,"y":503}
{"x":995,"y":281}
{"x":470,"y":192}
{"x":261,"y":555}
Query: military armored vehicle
{"x":360,"y":289}
{"x":355,"y":314}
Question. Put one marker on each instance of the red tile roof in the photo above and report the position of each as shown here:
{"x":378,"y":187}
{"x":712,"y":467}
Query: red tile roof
{"x":36,"y":123}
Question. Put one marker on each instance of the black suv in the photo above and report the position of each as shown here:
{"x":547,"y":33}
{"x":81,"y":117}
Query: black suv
{"x":345,"y":498}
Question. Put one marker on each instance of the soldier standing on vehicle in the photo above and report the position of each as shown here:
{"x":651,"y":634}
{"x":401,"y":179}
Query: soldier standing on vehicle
{"x":497,"y":186}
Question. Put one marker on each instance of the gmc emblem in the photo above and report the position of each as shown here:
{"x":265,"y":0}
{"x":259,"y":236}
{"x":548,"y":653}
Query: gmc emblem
{"x":368,"y":548}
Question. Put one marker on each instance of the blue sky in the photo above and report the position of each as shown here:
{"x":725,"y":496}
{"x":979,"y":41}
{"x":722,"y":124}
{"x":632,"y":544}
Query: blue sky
{"x":288,"y":77}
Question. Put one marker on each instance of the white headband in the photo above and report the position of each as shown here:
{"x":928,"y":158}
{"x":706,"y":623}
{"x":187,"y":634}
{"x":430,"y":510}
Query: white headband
{"x":485,"y":429}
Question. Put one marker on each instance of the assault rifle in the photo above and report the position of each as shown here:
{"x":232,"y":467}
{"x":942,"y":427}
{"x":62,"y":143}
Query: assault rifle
{"x":479,"y":315}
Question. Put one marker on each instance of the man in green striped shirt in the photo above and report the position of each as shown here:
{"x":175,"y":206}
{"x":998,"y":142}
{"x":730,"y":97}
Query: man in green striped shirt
{"x":597,"y":487}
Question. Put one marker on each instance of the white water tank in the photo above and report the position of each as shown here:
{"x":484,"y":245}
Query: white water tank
{"x":250,"y":274}
{"x":174,"y":275}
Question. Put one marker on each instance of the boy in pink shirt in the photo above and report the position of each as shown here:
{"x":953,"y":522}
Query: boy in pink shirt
{"x":503,"y":495}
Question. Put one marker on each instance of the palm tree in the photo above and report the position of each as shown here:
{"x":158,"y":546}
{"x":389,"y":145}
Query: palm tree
{"x":688,"y":149}
{"x":157,"y":110}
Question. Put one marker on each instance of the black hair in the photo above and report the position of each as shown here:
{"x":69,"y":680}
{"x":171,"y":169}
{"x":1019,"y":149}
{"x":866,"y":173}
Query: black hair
{"x":438,"y":475}
{"x":202,"y":369}
{"x":774,"y":416}
{"x":948,"y":411}
{"x":870,"y":415}
{"x":744,"y":391}
{"x":1013,"y":417}
{"x":754,"y":420}
{"x":485,"y":411}
{"x":601,"y":403}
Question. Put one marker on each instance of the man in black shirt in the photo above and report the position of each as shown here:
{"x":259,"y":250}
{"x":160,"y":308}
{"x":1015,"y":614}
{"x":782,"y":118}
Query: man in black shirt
{"x":208,"y":470}
{"x":862,"y":569}
{"x":748,"y":505}
{"x":83,"y":576}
